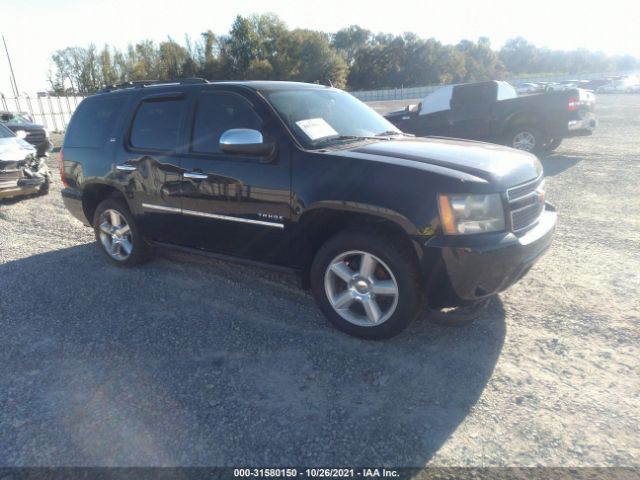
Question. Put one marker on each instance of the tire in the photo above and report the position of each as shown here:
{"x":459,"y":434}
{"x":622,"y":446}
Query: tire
{"x":44,"y":188}
{"x":131,"y":248}
{"x":551,"y":145}
{"x":527,"y":138}
{"x":459,"y":317}
{"x":357,"y":272}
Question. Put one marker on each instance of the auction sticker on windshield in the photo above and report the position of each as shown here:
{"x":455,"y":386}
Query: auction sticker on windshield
{"x":316,"y":128}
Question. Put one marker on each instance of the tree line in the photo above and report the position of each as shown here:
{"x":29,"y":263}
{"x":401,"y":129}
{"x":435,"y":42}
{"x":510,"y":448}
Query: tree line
{"x":261,"y":47}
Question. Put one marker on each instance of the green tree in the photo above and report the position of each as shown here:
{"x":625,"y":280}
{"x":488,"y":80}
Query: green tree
{"x":349,"y":41}
{"x":519,"y":56}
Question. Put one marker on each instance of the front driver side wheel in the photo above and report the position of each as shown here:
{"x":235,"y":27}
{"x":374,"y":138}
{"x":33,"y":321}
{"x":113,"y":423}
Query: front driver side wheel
{"x":117,"y":235}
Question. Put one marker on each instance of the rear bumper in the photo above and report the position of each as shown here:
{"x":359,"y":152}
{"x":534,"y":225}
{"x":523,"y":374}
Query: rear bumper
{"x":582,"y":126}
{"x":72,"y":200}
{"x":462,"y":270}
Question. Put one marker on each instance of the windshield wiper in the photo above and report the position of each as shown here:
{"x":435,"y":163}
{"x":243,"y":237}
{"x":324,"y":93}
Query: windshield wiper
{"x":339,"y":138}
{"x":390,"y":133}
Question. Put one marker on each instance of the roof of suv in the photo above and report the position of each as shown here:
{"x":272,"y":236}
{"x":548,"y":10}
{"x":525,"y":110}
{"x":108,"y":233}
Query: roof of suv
{"x":253,"y":84}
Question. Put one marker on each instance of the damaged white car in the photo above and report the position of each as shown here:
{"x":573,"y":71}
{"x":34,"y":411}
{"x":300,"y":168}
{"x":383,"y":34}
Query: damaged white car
{"x":21,"y":171}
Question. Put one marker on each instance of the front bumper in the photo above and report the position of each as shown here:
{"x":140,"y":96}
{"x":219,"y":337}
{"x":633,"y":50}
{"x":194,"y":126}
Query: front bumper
{"x":23,"y":186}
{"x":23,"y":181}
{"x":461,"y":270}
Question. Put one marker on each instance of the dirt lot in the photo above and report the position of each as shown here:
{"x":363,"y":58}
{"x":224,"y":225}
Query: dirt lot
{"x":197,"y":362}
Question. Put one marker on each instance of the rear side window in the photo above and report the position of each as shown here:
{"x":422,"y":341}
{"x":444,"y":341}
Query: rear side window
{"x":473,"y":99}
{"x":218,"y":112}
{"x":157,"y":124}
{"x":93,"y":121}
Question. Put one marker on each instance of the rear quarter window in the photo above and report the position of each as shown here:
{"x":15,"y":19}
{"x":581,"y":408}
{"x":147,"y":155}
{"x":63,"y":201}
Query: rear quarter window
{"x":93,"y":121}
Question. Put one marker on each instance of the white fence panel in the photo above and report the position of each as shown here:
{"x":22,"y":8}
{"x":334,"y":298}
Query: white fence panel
{"x":52,"y":112}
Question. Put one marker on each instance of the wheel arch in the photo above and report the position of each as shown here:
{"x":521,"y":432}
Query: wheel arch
{"x":519,"y":119}
{"x":316,"y":226}
{"x":95,"y":193}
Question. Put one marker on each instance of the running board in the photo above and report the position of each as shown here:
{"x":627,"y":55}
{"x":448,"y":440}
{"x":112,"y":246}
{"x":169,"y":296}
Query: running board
{"x":228,"y":258}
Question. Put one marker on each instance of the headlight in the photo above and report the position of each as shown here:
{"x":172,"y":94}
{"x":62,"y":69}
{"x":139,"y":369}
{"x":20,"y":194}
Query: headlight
{"x":46,"y":132}
{"x":466,"y":214}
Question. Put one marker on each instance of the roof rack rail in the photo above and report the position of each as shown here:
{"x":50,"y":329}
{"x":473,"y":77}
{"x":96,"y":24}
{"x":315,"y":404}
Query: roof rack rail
{"x":149,"y":83}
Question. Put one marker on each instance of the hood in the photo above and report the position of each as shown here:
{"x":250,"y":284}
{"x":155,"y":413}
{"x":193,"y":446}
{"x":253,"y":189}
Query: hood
{"x":498,"y":165}
{"x":14,"y":149}
{"x":27,"y":127}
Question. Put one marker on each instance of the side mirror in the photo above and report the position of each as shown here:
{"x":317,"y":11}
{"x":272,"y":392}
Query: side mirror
{"x":245,"y":141}
{"x":21,"y":134}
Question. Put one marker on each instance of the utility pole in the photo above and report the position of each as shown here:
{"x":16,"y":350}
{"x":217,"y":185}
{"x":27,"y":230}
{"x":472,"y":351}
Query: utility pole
{"x":13,"y":89}
{"x":15,"y":85}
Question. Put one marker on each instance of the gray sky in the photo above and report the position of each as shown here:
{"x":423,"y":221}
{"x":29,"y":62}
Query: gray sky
{"x":35,"y":28}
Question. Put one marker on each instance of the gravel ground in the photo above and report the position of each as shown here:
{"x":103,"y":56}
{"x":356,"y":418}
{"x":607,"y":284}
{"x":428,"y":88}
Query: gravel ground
{"x":195,"y":362}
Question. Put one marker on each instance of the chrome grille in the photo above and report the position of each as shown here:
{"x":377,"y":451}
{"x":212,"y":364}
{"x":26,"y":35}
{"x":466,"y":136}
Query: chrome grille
{"x":526,"y":204}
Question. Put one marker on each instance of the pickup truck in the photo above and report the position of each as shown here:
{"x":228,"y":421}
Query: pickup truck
{"x":493,"y":112}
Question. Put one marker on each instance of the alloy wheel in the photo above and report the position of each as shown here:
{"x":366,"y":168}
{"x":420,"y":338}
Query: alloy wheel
{"x":115,"y":235}
{"x":524,"y":141}
{"x":361,"y":288}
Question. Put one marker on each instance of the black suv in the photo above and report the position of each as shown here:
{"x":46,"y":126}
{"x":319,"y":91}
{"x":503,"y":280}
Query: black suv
{"x":308,"y":178}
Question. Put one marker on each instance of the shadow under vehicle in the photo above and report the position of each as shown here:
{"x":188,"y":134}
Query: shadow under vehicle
{"x":190,"y":368}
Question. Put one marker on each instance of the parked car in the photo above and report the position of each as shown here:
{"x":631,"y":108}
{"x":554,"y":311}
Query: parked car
{"x":526,"y":88}
{"x":546,"y":86}
{"x":619,"y":85}
{"x":492,"y":111}
{"x":21,"y":171}
{"x":309,"y":179}
{"x":37,"y":135}
{"x":592,"y":85}
{"x":567,"y":85}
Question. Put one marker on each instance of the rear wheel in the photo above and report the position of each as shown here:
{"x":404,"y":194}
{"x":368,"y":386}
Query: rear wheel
{"x":551,"y":145}
{"x":527,"y":138}
{"x":364,"y":285}
{"x":117,"y":235}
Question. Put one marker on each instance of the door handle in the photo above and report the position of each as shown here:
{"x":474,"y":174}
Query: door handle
{"x":125,"y":168}
{"x":196,"y":175}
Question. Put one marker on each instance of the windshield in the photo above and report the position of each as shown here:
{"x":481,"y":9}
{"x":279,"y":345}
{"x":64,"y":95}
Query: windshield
{"x":14,"y":118}
{"x":5,"y":132}
{"x":322,"y":117}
